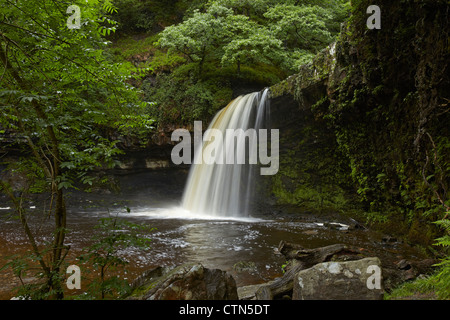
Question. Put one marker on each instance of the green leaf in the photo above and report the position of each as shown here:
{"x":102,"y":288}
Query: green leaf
{"x":65,"y":185}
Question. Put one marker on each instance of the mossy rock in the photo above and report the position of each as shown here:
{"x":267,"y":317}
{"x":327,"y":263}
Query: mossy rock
{"x":190,"y":281}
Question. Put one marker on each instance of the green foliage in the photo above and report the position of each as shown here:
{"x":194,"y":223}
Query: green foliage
{"x":445,"y":240}
{"x":436,"y":285}
{"x":183,"y":99}
{"x":164,"y":62}
{"x":388,"y":124}
{"x":259,"y":47}
{"x":148,"y":15}
{"x":142,"y":57}
{"x":303,"y":27}
{"x":112,"y":235}
{"x":254,"y":32}
{"x":79,"y":91}
{"x":136,"y":122}
{"x":218,"y":33}
{"x":416,"y":290}
{"x":27,"y":266}
{"x":60,"y":94}
{"x":442,"y":277}
{"x":248,"y":43}
{"x":312,"y":175}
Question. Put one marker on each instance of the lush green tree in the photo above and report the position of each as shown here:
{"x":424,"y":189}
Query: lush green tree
{"x":306,"y":28}
{"x":199,"y":36}
{"x":249,"y":8}
{"x":301,"y":27}
{"x":261,"y":39}
{"x":58,"y":95}
{"x":257,"y":46}
{"x":219,"y":33}
{"x":263,"y":31}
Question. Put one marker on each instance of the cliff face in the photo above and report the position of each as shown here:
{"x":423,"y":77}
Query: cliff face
{"x":373,"y":109}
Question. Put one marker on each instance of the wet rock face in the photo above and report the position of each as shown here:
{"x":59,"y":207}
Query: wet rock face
{"x":360,"y":90}
{"x":351,"y":280}
{"x":186,"y":282}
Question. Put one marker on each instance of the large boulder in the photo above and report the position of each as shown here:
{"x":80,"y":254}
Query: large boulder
{"x":186,"y":282}
{"x":350,"y":280}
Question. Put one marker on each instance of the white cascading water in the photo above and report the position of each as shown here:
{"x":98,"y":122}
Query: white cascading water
{"x":226,"y":189}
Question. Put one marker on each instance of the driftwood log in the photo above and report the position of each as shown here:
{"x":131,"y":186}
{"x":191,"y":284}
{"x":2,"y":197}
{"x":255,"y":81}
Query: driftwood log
{"x":301,"y":259}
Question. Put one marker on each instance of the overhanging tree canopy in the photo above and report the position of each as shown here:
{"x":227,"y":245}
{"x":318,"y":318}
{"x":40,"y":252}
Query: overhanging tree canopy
{"x":58,"y":93}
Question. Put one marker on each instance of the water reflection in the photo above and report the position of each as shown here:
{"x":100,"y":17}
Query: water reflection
{"x":216,"y":243}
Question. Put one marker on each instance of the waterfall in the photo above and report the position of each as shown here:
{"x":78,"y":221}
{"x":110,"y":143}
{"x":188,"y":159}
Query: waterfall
{"x":223,"y":186}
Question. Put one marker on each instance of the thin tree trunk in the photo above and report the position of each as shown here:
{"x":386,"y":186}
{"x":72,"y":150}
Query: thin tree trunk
{"x":24,"y":222}
{"x":52,"y":171}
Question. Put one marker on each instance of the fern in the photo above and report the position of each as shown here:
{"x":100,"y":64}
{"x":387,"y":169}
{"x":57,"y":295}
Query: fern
{"x":442,"y":278}
{"x":445,"y":240}
{"x":109,"y":7}
{"x":438,"y":283}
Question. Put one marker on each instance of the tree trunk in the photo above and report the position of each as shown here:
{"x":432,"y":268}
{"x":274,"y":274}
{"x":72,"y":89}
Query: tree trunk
{"x":51,"y":166}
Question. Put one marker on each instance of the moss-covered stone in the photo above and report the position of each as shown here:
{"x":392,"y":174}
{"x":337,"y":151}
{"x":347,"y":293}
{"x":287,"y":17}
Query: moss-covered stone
{"x":373,"y":120}
{"x":190,"y":281}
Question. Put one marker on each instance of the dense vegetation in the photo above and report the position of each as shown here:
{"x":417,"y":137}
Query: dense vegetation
{"x":391,"y":114}
{"x":378,"y":101}
{"x":395,"y":99}
{"x":57,"y":84}
{"x":210,"y":49}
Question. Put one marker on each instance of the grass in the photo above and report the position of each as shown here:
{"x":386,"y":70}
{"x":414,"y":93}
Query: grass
{"x":419,"y":289}
{"x":140,"y":50}
{"x":433,"y":287}
{"x":133,"y":45}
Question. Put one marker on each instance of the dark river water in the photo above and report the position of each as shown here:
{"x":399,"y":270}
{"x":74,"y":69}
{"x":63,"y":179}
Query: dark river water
{"x":179,"y":237}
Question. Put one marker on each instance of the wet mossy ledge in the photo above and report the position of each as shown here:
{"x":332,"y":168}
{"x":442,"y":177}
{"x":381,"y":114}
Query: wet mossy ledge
{"x":364,"y":126}
{"x":314,"y":174}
